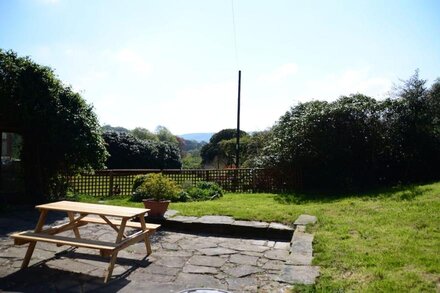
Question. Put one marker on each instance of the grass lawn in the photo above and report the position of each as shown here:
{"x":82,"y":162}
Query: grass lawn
{"x":383,"y":241}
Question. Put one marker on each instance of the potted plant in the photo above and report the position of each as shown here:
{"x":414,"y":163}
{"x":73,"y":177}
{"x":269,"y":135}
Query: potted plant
{"x":156,"y":192}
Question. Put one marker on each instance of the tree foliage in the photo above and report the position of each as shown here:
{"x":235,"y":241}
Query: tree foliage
{"x":129,"y":152}
{"x":144,"y":134}
{"x":192,"y":160}
{"x":189,"y":149}
{"x":412,"y":127}
{"x":357,"y":142}
{"x":219,"y":149}
{"x":61,"y":132}
{"x":109,"y":128}
{"x":190,"y":153}
{"x":253,"y":149}
{"x":164,"y":135}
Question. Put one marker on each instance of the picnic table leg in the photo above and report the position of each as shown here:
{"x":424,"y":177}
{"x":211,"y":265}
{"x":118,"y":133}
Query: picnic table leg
{"x":75,"y":229}
{"x":31,"y":247}
{"x":146,"y":239}
{"x":115,"y":254}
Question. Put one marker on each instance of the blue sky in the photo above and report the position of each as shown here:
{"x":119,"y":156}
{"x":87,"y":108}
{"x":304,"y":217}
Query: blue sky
{"x":173,"y":63}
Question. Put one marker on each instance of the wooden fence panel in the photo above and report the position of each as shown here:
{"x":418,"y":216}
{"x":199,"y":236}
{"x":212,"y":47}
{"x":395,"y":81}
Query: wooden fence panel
{"x":119,"y":182}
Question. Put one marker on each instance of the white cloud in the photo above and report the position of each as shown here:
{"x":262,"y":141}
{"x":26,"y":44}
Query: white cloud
{"x":95,"y":73}
{"x":280,"y":73}
{"x":347,"y":82}
{"x":119,"y":82}
{"x":213,"y":106}
{"x":42,"y":52}
{"x":133,"y":60}
{"x":204,"y":107}
{"x":90,"y":79}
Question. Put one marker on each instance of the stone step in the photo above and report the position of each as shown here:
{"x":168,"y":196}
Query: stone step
{"x":225,"y":226}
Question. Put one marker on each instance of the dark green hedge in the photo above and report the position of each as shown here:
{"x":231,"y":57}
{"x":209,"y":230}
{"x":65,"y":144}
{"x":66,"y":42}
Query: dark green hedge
{"x":358,"y":142}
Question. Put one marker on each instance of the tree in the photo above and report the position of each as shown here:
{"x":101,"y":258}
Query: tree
{"x":434,"y":102}
{"x":254,"y":147}
{"x":192,"y":160}
{"x":333,"y":144}
{"x":190,"y":153}
{"x":61,"y":134}
{"x":129,"y":152}
{"x":144,"y":134}
{"x":220,"y":150}
{"x":413,"y":130}
{"x":164,"y":135}
{"x":109,"y":128}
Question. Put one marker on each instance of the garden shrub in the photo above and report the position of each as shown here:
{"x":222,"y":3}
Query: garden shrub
{"x":138,"y":180}
{"x":204,"y":191}
{"x":155,"y":186}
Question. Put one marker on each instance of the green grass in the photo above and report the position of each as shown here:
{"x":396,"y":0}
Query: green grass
{"x":384,"y":241}
{"x":117,"y":201}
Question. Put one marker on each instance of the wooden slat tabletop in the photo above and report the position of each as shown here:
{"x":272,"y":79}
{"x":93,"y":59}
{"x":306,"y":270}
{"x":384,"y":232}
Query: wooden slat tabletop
{"x":96,"y":209}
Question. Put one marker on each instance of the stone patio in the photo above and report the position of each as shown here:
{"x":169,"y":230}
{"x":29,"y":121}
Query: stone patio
{"x":179,"y":261}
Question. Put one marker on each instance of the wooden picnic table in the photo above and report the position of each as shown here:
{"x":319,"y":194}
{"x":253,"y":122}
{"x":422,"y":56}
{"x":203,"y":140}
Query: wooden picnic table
{"x":81,"y":214}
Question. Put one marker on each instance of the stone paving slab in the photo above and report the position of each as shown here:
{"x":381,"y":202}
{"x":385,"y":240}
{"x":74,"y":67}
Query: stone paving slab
{"x":240,"y":271}
{"x":215,"y":220}
{"x":301,"y":250}
{"x":183,"y":219}
{"x":303,"y":259}
{"x":299,"y":274}
{"x":211,"y":261}
{"x":179,"y":261}
{"x":244,"y":259}
{"x":305,"y":220}
{"x":278,"y":226}
{"x":199,"y":269}
{"x":302,"y":243}
{"x":262,"y":225}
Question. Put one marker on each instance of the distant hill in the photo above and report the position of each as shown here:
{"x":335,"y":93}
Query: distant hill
{"x":197,"y":136}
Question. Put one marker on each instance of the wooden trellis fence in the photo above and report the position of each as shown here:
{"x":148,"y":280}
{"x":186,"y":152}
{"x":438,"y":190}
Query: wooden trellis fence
{"x":119,"y":182}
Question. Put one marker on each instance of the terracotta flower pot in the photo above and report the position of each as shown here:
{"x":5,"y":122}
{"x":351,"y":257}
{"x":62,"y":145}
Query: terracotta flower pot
{"x":157,"y":207}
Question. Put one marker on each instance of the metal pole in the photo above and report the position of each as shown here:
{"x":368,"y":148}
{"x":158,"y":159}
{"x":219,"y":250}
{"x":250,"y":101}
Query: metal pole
{"x":237,"y":146}
{"x":1,"y":152}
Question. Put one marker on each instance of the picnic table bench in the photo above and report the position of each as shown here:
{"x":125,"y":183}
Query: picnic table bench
{"x":81,"y":214}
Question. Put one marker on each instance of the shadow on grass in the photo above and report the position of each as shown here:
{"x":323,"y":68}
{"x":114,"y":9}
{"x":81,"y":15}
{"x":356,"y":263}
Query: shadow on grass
{"x":398,"y":193}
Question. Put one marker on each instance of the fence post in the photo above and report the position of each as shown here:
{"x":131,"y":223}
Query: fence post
{"x":235,"y":180}
{"x":207,"y":175}
{"x":110,"y":185}
{"x":254,"y":180}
